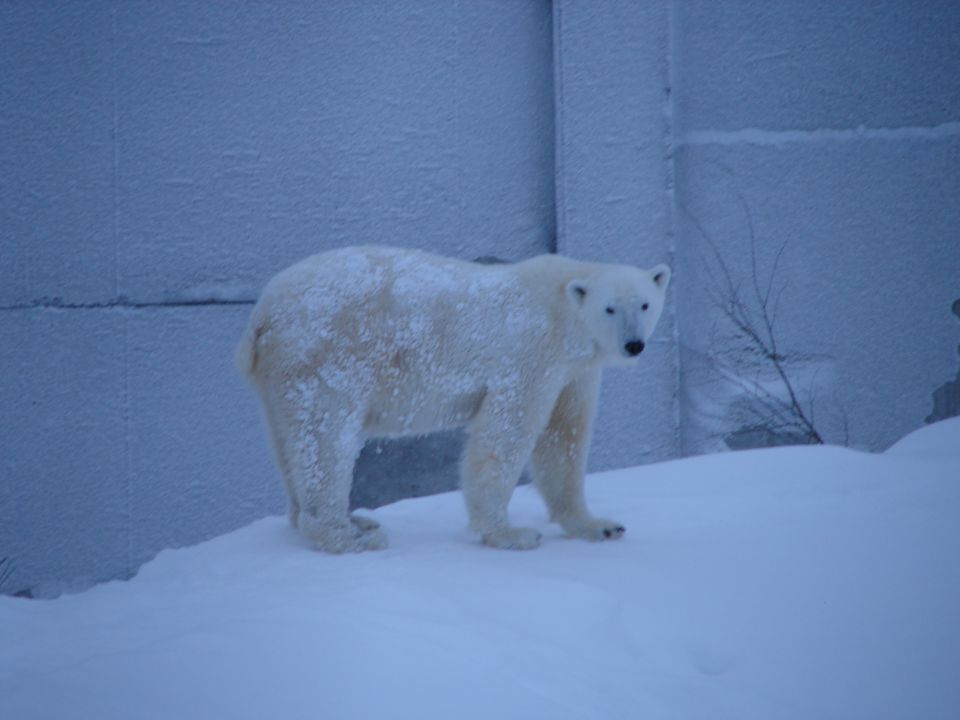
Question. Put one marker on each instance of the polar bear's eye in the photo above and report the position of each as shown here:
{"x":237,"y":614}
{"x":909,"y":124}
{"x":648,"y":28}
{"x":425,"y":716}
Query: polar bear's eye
{"x":610,"y":310}
{"x":645,"y":306}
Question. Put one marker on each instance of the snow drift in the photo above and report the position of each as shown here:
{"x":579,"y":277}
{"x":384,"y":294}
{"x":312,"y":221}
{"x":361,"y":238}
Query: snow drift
{"x":802,"y":582}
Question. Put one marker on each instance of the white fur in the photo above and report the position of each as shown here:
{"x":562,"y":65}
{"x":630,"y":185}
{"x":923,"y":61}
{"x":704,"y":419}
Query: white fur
{"x":381,"y":342}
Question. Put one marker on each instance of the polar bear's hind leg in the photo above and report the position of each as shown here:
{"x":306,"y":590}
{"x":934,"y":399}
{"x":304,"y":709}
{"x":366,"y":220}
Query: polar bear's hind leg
{"x":317,"y":456}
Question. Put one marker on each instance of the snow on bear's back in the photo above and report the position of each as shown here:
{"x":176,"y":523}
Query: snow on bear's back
{"x":385,"y":299}
{"x":328,"y":282}
{"x":461,"y":306}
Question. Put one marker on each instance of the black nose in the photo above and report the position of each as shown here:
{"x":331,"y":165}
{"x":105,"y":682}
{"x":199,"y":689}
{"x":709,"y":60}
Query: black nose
{"x":634,"y":347}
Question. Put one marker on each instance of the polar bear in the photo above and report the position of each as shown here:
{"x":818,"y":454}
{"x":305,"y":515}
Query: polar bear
{"x":366,"y":342}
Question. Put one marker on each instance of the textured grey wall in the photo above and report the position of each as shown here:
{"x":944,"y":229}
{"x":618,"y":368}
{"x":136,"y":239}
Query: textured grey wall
{"x":187,"y":151}
{"x":835,"y":128}
{"x":158,"y":162}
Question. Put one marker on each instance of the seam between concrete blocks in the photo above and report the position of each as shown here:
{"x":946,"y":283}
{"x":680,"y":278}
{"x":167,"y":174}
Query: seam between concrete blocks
{"x":56,"y":304}
{"x":559,"y":174}
{"x":671,"y":140}
{"x":758,"y":136}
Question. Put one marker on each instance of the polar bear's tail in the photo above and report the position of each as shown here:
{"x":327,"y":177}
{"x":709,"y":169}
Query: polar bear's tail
{"x":246,"y":353}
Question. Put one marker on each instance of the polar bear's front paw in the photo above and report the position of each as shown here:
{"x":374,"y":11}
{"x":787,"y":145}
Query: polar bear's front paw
{"x":594,"y":529}
{"x":513,"y":539}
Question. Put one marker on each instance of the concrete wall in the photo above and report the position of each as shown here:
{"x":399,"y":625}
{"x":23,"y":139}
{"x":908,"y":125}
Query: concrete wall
{"x":834,"y":130}
{"x":158,"y":162}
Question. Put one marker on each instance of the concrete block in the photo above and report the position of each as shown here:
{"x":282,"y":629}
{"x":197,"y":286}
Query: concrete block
{"x":199,"y":456}
{"x":64,"y":499}
{"x":248,"y":140}
{"x":123,"y":431}
{"x":812,"y":64}
{"x":56,"y":154}
{"x":868,"y":273}
{"x":611,"y":95}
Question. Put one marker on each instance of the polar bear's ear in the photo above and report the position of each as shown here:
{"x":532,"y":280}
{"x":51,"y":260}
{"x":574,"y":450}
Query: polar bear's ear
{"x":577,"y":291}
{"x":661,"y":276}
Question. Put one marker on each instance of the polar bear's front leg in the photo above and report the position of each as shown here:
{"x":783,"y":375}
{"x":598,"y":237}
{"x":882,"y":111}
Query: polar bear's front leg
{"x":500,"y":441}
{"x":559,"y":461}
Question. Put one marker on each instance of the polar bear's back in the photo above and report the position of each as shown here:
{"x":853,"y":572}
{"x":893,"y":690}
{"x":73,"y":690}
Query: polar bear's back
{"x":374,"y":308}
{"x":386,"y":286}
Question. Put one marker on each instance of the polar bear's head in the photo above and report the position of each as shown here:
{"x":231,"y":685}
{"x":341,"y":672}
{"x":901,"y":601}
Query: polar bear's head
{"x":620,"y":306}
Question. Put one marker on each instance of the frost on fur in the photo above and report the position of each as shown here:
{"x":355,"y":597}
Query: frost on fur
{"x":380,"y":342}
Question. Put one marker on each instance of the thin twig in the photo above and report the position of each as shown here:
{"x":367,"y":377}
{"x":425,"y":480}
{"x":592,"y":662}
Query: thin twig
{"x":757,"y":329}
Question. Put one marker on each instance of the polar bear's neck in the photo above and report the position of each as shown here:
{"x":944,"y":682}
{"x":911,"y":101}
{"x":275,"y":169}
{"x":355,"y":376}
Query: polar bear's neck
{"x":551,"y":274}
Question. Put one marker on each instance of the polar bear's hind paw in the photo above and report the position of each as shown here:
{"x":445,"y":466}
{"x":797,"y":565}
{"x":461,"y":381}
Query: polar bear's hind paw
{"x":513,"y":539}
{"x":359,"y":535}
{"x":364,"y":523}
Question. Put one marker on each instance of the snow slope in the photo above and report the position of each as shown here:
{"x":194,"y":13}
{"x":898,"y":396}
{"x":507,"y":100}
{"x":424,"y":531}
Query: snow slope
{"x":806,"y":582}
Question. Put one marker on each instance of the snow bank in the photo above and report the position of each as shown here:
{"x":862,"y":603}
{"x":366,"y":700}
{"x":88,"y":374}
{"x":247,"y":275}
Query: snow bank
{"x":804,"y":582}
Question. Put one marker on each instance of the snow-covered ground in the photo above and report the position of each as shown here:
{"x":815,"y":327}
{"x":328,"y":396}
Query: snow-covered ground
{"x":807,"y":582}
